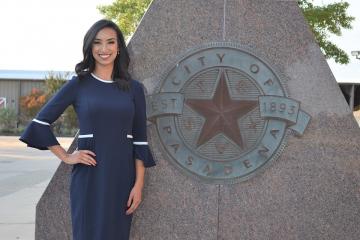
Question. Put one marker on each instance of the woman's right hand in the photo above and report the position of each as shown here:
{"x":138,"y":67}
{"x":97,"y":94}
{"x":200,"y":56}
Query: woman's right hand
{"x":81,"y":156}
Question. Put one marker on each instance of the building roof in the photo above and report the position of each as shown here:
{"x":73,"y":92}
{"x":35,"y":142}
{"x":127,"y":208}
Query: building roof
{"x":349,"y":83}
{"x":28,"y":74}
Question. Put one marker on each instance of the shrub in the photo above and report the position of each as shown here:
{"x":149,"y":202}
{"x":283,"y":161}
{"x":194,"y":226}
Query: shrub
{"x":31,"y":104}
{"x":8,"y":120}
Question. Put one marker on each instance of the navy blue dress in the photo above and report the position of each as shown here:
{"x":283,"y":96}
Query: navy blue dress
{"x":113,"y":125}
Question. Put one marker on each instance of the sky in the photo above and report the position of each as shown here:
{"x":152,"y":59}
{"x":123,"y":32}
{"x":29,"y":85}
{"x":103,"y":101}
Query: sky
{"x":47,"y":35}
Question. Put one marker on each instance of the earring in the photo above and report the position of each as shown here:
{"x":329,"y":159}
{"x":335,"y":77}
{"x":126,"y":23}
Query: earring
{"x":118,"y":52}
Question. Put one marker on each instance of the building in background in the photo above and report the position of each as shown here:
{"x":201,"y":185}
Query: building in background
{"x":351,"y":92}
{"x":17,"y":83}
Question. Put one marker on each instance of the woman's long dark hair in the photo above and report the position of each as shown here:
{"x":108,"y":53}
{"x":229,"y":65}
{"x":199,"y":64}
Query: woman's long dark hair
{"x":120,"y":72}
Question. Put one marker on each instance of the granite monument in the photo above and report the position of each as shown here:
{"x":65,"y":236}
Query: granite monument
{"x":252,"y":136}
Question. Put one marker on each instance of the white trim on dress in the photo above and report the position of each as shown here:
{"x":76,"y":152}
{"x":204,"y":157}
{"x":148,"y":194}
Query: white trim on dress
{"x":41,"y":122}
{"x":102,"y":80}
{"x":140,"y":143}
{"x":86,"y":136}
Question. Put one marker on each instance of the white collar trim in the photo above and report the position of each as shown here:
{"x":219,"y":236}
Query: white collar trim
{"x":102,"y":80}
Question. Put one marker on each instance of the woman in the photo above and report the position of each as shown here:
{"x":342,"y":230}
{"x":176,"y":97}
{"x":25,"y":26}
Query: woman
{"x":108,"y":168}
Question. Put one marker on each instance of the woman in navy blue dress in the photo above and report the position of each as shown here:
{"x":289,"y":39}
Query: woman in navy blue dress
{"x":108,"y":168}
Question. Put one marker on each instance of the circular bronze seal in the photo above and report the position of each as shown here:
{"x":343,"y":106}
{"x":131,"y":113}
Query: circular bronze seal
{"x":222,"y":113}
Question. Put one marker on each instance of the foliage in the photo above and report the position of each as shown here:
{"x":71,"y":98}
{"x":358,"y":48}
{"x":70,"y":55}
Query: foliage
{"x":54,"y":81}
{"x":326,"y":20}
{"x":323,"y":20}
{"x":126,"y":13}
{"x":31,"y":104}
{"x":8,"y":119}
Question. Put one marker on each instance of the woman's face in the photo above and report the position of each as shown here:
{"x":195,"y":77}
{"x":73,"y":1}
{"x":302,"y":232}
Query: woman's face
{"x":105,"y":47}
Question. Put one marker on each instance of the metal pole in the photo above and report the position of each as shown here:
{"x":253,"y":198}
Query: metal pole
{"x":352,"y":92}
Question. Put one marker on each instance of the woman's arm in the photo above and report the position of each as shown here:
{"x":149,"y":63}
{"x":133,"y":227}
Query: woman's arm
{"x":82,"y":156}
{"x":142,"y":154}
{"x":38,"y":134}
{"x":140,"y":173}
{"x":136,"y":192}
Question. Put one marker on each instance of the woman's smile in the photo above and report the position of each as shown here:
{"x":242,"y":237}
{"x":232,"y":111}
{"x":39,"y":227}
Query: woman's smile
{"x":104,"y":56}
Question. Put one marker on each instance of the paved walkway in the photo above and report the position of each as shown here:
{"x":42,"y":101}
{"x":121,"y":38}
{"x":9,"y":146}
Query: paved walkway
{"x":24,"y":174}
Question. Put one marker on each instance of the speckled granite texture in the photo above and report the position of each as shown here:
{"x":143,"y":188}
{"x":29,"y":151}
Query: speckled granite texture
{"x":311,"y":192}
{"x":53,"y":219}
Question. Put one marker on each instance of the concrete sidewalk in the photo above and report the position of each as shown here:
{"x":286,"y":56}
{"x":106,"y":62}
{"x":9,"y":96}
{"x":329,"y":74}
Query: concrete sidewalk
{"x":24,"y":174}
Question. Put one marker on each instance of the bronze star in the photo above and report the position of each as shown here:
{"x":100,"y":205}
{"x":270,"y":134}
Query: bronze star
{"x":221,"y":113}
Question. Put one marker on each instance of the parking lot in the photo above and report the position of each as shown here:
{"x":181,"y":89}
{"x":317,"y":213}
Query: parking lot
{"x":24,"y":175}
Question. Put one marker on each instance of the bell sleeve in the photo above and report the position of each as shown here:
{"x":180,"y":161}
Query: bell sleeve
{"x":38,"y":133}
{"x":140,"y":144}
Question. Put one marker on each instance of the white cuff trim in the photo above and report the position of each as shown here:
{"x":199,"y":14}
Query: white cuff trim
{"x":129,"y":136}
{"x":140,"y":143}
{"x":86,"y":136}
{"x":41,"y":122}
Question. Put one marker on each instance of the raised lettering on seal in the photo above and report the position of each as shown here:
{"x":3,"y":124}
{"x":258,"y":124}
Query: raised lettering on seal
{"x":189,"y":160}
{"x":167,"y":129}
{"x":247,"y":163}
{"x":201,"y":59}
{"x":220,"y":56}
{"x":228,"y":169}
{"x":254,"y":68}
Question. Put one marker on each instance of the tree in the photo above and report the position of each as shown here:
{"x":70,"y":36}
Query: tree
{"x":323,"y":20}
{"x":126,"y":13}
{"x":326,"y":20}
{"x":54,"y":81}
{"x":31,"y":104}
